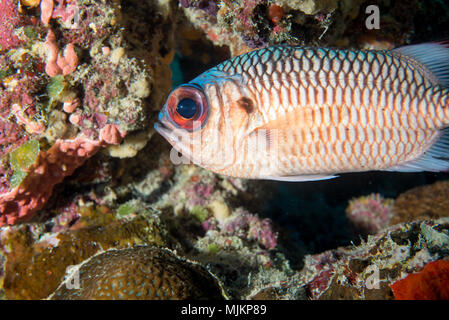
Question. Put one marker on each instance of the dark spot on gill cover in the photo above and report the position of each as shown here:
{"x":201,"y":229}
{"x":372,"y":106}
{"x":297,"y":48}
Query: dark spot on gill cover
{"x":246,"y":104}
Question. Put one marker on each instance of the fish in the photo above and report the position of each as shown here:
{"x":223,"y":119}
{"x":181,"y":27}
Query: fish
{"x":295,"y":113}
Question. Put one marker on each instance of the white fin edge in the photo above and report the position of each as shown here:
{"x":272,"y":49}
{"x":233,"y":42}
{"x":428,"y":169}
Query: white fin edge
{"x":435,"y":159}
{"x":434,"y":56}
{"x":301,"y":178}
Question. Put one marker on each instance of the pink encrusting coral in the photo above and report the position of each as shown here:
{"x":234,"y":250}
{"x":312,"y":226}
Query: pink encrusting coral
{"x":46,"y":10}
{"x":63,"y":108}
{"x":66,"y":10}
{"x":199,"y":193}
{"x":9,"y":20}
{"x":17,"y":90}
{"x":50,"y":169}
{"x":58,"y":63}
{"x":70,"y":106}
{"x":370,"y":214}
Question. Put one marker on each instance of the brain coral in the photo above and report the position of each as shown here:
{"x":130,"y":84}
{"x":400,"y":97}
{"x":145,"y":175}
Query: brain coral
{"x":430,"y":201}
{"x":141,"y":272}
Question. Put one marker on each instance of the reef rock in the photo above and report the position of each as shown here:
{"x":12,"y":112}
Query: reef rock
{"x":366,"y":271}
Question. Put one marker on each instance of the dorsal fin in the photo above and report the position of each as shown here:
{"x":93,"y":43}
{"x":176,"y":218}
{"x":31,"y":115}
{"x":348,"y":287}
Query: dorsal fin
{"x":434,"y":56}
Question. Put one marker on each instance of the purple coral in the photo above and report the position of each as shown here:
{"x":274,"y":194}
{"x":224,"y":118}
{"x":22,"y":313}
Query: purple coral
{"x":246,"y":225}
{"x":198,"y":193}
{"x":66,"y":218}
{"x":208,"y":6}
{"x":254,"y":42}
{"x":9,"y":20}
{"x":322,"y":266}
{"x":370,"y":214}
{"x":67,"y":11}
{"x":261,"y":231}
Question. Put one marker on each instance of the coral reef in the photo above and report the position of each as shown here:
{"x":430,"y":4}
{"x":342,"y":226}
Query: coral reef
{"x":426,"y":202}
{"x":9,"y":20}
{"x":233,"y":242}
{"x":367,"y":270}
{"x":87,"y":189}
{"x":245,"y":25}
{"x":242,"y":224}
{"x":67,"y":81}
{"x":142,"y":272}
{"x":48,"y":170}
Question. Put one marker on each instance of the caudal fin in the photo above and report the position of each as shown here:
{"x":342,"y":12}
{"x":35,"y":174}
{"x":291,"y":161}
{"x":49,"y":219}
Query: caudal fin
{"x":434,"y":57}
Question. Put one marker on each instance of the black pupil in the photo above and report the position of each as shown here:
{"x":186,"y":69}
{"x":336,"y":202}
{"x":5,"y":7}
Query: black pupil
{"x":186,"y":108}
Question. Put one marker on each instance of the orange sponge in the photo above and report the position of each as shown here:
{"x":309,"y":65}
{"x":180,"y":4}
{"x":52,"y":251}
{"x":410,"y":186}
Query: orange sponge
{"x":431,"y":283}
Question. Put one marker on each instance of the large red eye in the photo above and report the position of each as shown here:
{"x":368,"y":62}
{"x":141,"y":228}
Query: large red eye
{"x":187,"y":107}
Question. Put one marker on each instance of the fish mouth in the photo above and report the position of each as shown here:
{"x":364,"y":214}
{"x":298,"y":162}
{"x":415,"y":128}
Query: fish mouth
{"x":163,"y":130}
{"x":173,"y":139}
{"x":166,"y":132}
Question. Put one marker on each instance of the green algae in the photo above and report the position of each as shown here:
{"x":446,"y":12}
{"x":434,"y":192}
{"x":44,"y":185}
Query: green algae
{"x":21,"y":159}
{"x":213,"y":248}
{"x":200,"y":213}
{"x":5,"y":72}
{"x":31,"y":32}
{"x":17,"y":178}
{"x":55,"y":87}
{"x":126,"y":209}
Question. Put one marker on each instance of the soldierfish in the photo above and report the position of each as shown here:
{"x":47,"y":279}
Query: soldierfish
{"x":300,"y":113}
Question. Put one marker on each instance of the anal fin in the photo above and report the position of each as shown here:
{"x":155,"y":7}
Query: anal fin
{"x":300,"y":178}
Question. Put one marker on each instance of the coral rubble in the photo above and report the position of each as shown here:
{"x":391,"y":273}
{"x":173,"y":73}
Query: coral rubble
{"x":245,"y":25}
